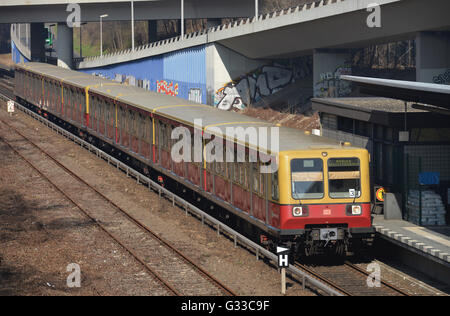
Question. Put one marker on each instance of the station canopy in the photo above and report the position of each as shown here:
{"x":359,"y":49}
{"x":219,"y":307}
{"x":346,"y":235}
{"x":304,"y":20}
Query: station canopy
{"x":435,"y":95}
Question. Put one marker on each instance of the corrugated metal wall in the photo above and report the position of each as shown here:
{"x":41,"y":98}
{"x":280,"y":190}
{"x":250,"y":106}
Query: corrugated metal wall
{"x":181,"y":73}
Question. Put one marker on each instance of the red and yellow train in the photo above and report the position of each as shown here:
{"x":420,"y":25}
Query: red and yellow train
{"x":319,"y":197}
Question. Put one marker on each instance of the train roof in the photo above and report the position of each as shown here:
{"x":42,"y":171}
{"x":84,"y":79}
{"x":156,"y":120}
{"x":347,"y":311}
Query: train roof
{"x":188,"y":112}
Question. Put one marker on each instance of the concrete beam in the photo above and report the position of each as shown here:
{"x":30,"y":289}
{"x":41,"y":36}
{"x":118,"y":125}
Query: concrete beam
{"x":64,"y":46}
{"x":120,"y":10}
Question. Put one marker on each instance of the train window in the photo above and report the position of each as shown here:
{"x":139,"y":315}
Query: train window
{"x":132,"y":117}
{"x":229,"y":165}
{"x":157,"y":132}
{"x":164,"y":129}
{"x":237,"y":172}
{"x":165,"y":132}
{"x":66,"y":100}
{"x":149,"y":130}
{"x":58,"y":96}
{"x":170,"y":140}
{"x":142,"y":130}
{"x":167,"y":137}
{"x":137,"y":124}
{"x":161,"y":131}
{"x":256,"y":178}
{"x":99,"y":107}
{"x":307,"y":179}
{"x":145,"y":128}
{"x":244,"y":175}
{"x":275,"y":186}
{"x":220,"y":165}
{"x":105,"y":111}
{"x":121,"y":123}
{"x":262,"y":189}
{"x":344,"y":176}
{"x":92,"y":112}
{"x":71,"y":102}
{"x":193,"y":151}
{"x":109,"y":121}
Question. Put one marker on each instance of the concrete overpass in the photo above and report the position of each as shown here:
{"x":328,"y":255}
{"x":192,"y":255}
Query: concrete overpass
{"x":330,"y":25}
{"x":239,"y":63}
{"x":40,"y":11}
{"x":34,"y":13}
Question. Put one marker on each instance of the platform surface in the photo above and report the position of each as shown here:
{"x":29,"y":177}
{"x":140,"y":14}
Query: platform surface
{"x":432,"y":241}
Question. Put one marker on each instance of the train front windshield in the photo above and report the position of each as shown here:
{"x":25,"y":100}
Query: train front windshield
{"x":307,"y":179}
{"x":344,"y":178}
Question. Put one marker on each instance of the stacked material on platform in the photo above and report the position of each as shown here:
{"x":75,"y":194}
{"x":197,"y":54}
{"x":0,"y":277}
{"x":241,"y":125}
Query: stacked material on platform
{"x":433,"y":209}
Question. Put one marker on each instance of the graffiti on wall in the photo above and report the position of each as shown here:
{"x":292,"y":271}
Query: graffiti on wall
{"x":228,"y":97}
{"x":331,"y":86}
{"x":195,"y":95}
{"x":443,"y":78}
{"x":262,"y":82}
{"x":162,"y":86}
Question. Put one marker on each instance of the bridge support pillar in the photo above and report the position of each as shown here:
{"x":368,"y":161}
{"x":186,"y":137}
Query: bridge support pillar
{"x":329,"y":65}
{"x":37,"y":47}
{"x":64,"y":46}
{"x":433,"y":57}
{"x":152,"y":31}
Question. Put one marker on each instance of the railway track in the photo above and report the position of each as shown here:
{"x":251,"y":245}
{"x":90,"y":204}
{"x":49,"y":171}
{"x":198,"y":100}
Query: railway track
{"x":179,"y":274}
{"x":6,"y":84}
{"x":350,"y":280}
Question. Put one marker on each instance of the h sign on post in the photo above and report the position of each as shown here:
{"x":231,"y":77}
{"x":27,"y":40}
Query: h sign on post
{"x":10,"y":106}
{"x":283,"y":257}
{"x":283,"y":263}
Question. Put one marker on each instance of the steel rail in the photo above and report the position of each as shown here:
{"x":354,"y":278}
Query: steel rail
{"x":86,"y":213}
{"x":155,"y":236}
{"x":324,"y":279}
{"x":238,"y":238}
{"x":340,"y":288}
{"x":387,"y":284}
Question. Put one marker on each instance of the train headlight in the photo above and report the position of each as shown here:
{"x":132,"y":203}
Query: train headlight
{"x":354,"y":210}
{"x":300,"y":211}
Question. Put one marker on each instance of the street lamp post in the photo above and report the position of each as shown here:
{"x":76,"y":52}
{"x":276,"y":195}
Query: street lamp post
{"x":101,"y":33}
{"x":132,"y":25}
{"x":182,"y":19}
